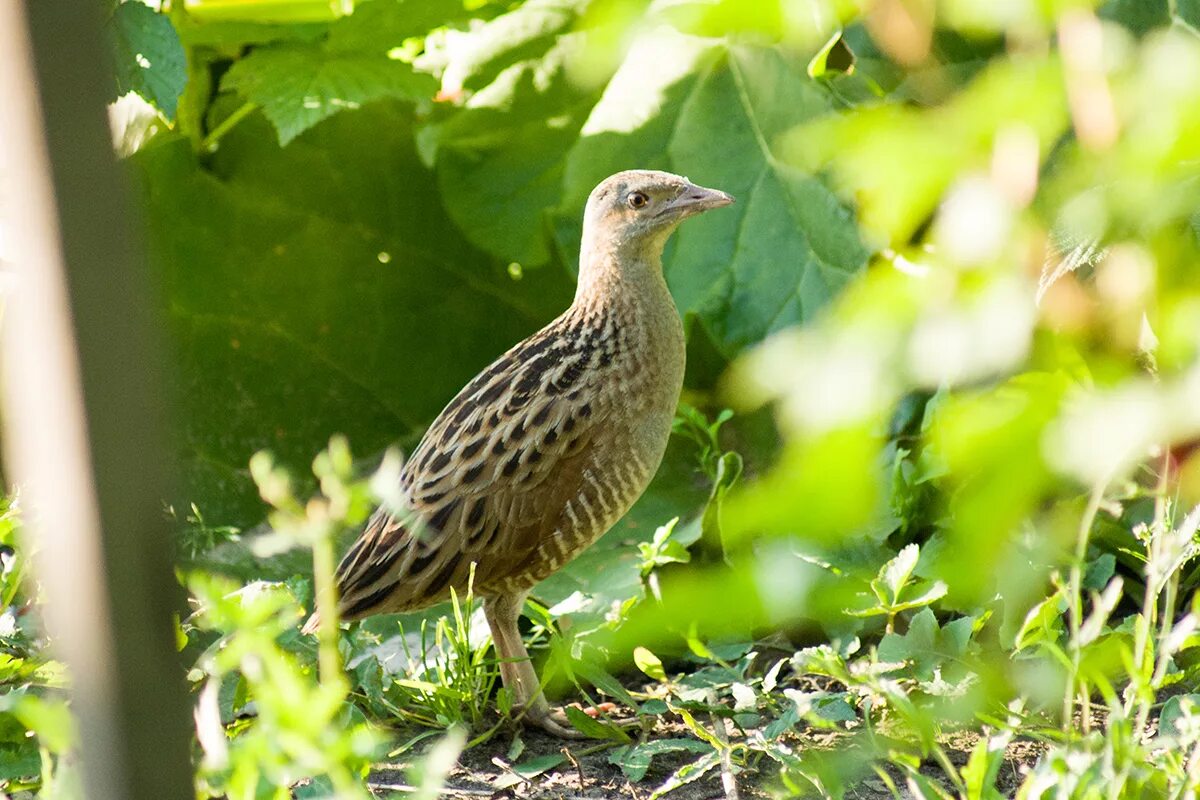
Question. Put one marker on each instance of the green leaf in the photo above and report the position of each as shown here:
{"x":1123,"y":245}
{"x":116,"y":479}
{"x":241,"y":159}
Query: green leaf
{"x":635,"y":760}
{"x":530,"y":768}
{"x":283,"y":11}
{"x":983,"y":767}
{"x":688,"y":773}
{"x":712,"y":538}
{"x":526,"y":33}
{"x":698,"y":729}
{"x":594,"y":728}
{"x":305,"y":299}
{"x":598,"y":677}
{"x":895,"y":574}
{"x":500,"y":157}
{"x":1099,"y":571}
{"x":376,"y":26}
{"x":936,"y":591}
{"x":299,"y":85}
{"x":649,"y":663}
{"x":834,"y":708}
{"x":713,"y":112}
{"x":49,"y":718}
{"x":1140,"y":16}
{"x":1042,"y":623}
{"x":149,"y":56}
{"x":19,"y":760}
{"x":1177,"y":707}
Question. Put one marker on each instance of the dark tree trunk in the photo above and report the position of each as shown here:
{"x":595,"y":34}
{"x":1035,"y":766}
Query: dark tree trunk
{"x":85,"y":417}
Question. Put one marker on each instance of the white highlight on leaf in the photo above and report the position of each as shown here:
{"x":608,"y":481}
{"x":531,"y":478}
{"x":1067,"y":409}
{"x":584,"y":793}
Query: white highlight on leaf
{"x":987,"y":335}
{"x":975,"y":222}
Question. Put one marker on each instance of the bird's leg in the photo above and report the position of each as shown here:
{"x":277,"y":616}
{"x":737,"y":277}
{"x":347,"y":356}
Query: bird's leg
{"x":516,"y":669}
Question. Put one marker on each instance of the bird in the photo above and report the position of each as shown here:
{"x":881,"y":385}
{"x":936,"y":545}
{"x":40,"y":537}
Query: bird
{"x":548,"y":447}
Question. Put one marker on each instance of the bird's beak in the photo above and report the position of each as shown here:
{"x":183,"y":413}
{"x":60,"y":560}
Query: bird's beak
{"x":695,"y":199}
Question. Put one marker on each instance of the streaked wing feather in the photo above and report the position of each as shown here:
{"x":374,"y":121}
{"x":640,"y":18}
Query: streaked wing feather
{"x":489,"y":480}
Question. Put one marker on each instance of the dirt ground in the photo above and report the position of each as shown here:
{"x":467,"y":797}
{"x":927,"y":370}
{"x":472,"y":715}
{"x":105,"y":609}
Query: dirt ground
{"x":484,"y":771}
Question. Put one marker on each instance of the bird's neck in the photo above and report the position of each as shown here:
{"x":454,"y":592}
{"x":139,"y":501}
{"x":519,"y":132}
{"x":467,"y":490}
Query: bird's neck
{"x":620,"y":273}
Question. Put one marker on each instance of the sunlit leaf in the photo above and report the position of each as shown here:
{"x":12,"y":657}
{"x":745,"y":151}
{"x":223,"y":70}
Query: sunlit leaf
{"x":149,"y":57}
{"x":297,"y":86}
{"x":705,"y":114}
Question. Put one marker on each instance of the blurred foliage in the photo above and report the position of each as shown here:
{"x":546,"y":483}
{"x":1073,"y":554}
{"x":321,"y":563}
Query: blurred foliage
{"x":955,"y":313}
{"x":36,"y":728}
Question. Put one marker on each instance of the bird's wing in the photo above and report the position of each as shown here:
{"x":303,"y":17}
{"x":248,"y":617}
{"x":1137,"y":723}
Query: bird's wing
{"x":489,"y":480}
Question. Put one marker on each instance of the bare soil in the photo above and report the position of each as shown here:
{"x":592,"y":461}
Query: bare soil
{"x":484,"y":771}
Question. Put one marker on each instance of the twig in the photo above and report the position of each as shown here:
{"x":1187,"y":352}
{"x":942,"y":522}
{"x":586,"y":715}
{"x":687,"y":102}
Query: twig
{"x":448,"y":791}
{"x":445,"y":790}
{"x":499,"y":762}
{"x":720,"y":731}
{"x":575,"y":763}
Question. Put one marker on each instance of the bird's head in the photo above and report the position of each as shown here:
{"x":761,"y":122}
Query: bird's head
{"x":633,"y":212}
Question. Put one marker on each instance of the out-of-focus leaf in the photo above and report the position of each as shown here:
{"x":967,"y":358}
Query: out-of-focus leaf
{"x":48,"y":718}
{"x":714,"y":113}
{"x":278,"y":11}
{"x":991,"y":441}
{"x":871,"y":151}
{"x":649,"y":663}
{"x":149,"y":57}
{"x":1177,"y":707}
{"x":1139,"y":16}
{"x":377,"y":26}
{"x":820,"y":490}
{"x":773,"y":20}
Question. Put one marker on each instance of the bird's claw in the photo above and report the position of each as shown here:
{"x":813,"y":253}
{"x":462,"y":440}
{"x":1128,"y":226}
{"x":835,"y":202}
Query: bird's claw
{"x":552,"y":721}
{"x":556,"y":722}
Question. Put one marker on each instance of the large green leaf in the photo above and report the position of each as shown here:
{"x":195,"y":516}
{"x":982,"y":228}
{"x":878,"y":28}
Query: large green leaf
{"x":500,"y":157}
{"x":713,"y":112}
{"x":299,"y":85}
{"x":316,"y":289}
{"x":500,"y":163}
{"x":149,"y":58}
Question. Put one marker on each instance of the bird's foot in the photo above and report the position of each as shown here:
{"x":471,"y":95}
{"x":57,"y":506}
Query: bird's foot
{"x":556,"y":722}
{"x":553,"y":721}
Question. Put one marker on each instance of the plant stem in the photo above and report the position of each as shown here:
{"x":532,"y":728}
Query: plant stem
{"x":209,"y":143}
{"x":1148,"y":617}
{"x":1075,"y":595}
{"x":328,"y":657}
{"x":951,"y":771}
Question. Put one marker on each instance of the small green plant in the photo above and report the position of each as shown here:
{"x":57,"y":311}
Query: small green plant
{"x":263,"y":717}
{"x":449,"y":675}
{"x":196,"y":535}
{"x":894,"y":585}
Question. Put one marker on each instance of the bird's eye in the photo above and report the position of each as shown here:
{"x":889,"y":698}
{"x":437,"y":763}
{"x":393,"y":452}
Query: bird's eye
{"x":637,"y":200}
